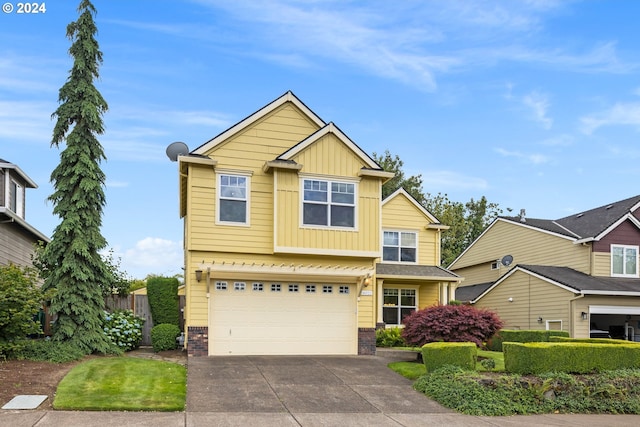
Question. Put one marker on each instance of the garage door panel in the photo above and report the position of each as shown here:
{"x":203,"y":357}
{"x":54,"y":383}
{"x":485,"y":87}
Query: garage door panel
{"x":266,"y":322}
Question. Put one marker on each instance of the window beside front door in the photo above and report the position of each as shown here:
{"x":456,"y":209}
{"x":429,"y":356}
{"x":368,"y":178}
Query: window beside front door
{"x":624,"y":261}
{"x":233,"y":199}
{"x":399,"y":246}
{"x":328,"y":203}
{"x":397,"y":304}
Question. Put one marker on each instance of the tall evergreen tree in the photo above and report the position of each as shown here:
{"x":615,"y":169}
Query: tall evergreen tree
{"x":73,"y":265}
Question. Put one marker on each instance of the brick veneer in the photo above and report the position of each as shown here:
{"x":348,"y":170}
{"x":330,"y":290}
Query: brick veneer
{"x":198,"y":341}
{"x":366,"y":341}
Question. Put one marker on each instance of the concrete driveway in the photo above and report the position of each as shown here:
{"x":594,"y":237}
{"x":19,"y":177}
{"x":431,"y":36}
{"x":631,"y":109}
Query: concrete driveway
{"x":305,"y":390}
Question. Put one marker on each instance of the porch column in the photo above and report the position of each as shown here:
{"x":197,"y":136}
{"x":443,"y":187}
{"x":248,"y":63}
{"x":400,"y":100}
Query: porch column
{"x":379,"y":294}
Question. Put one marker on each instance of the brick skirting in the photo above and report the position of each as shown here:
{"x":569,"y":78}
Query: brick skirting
{"x":366,"y":341}
{"x":198,"y":341}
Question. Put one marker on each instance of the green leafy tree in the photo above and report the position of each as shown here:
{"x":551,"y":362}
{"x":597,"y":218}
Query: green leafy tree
{"x":74,"y":266}
{"x":412,"y":184}
{"x":466,"y":220}
{"x":20,"y":301}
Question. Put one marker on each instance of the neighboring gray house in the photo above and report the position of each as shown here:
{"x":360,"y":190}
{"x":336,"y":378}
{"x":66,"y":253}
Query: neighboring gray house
{"x":17,"y":236}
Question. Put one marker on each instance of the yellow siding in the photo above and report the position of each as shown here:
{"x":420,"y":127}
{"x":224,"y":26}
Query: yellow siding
{"x":365,"y":237}
{"x":329,"y":156}
{"x":400,"y":214}
{"x":246,"y":152}
{"x":601,"y":264}
{"x":532,"y":298}
{"x":429,"y":295}
{"x":527,"y":246}
{"x":582,"y":305}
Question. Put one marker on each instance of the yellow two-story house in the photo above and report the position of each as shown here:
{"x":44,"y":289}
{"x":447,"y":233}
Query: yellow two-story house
{"x":289,"y":248}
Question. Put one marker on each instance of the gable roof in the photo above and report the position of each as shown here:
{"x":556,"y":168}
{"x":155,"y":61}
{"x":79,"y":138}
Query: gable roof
{"x":564,"y":277}
{"x":4,"y":164}
{"x":596,"y":222}
{"x":243,"y":124}
{"x":402,"y":192}
{"x":586,"y":226}
{"x":330,"y":128}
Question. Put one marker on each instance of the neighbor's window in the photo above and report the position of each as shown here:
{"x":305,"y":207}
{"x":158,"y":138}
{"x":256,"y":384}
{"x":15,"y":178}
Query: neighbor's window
{"x":328,"y":203}
{"x":232,"y":198}
{"x":17,"y":194}
{"x":399,"y":246}
{"x":397,"y":304}
{"x":624,"y":261}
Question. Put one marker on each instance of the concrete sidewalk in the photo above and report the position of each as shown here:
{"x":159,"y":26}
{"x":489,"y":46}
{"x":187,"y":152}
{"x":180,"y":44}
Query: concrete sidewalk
{"x":300,"y":391}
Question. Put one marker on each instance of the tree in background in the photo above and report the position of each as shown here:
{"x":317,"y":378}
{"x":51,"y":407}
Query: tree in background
{"x":466,"y":220}
{"x":74,"y":266}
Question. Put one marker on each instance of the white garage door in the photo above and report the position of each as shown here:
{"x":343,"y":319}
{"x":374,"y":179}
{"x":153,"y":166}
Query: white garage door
{"x":282,"y":318}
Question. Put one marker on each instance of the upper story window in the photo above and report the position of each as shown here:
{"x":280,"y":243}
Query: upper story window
{"x":233,"y":191}
{"x":399,"y":246}
{"x":624,"y":261}
{"x":329,"y":203}
{"x":16,"y":199}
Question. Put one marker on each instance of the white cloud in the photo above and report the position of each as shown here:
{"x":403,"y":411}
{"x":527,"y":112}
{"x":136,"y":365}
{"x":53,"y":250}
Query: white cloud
{"x":535,"y":158}
{"x":620,"y":114}
{"x":538,"y":103}
{"x":153,"y":255}
{"x":559,"y":141}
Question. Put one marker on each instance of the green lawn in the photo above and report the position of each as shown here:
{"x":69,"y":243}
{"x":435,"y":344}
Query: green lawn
{"x":123,"y":384}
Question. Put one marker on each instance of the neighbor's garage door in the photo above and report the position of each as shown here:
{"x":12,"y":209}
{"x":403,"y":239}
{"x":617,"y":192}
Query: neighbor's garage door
{"x":282,"y":318}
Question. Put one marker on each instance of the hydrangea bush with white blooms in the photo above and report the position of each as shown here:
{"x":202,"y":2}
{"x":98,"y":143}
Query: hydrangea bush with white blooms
{"x":123,"y":328}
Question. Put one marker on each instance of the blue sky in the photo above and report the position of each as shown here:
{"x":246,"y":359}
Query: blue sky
{"x":533,"y":104}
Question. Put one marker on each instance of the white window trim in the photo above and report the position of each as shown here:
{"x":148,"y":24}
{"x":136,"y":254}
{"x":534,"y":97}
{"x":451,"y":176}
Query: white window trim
{"x":400,"y":289}
{"x":549,"y":322}
{"x":329,"y":180}
{"x":219,"y":174}
{"x":19,"y":207}
{"x":637,"y":249}
{"x":416,"y":232}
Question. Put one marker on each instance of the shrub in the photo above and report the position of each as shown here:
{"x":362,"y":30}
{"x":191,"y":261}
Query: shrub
{"x":450,"y":323}
{"x":534,"y":335}
{"x":163,"y":337}
{"x":438,"y":354}
{"x":163,"y":300}
{"x":20,"y":301}
{"x":123,"y":328}
{"x":45,"y":350}
{"x":391,"y":337}
{"x":541,"y":357}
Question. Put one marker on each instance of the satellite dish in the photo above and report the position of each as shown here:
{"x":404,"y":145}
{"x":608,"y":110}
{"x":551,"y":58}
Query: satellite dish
{"x":506,"y":260}
{"x":176,"y":149}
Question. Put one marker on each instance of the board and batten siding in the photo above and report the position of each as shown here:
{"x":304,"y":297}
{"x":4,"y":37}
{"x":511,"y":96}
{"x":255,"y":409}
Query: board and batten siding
{"x":532,"y":298}
{"x":526,"y":245}
{"x":327,"y":159}
{"x":399,"y":214}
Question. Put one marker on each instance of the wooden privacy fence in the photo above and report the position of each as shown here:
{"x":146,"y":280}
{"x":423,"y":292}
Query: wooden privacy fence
{"x":140,"y":306}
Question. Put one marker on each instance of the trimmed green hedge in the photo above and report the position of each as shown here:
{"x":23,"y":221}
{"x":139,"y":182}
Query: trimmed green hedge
{"x":592,"y":340}
{"x":163,"y":300}
{"x":578,"y":358}
{"x":522,"y":336}
{"x":163,"y":337}
{"x":438,"y":354}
